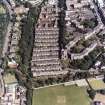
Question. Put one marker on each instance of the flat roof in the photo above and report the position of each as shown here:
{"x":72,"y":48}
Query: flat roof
{"x":101,"y":2}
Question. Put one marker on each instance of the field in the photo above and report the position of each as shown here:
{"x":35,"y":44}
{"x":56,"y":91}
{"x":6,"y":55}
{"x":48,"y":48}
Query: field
{"x":8,"y":79}
{"x":61,"y":95}
{"x":97,"y":84}
{"x":2,"y":10}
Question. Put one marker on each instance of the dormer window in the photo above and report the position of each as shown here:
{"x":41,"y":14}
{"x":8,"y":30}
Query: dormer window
{"x":72,"y":6}
{"x":37,"y":25}
{"x":78,"y":1}
{"x":43,"y":25}
{"x":54,"y":6}
{"x":44,"y":15}
{"x":45,"y":9}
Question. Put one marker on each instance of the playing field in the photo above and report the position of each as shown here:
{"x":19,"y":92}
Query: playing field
{"x":61,"y":95}
{"x":97,"y":84}
{"x":9,"y":79}
{"x":2,"y":10}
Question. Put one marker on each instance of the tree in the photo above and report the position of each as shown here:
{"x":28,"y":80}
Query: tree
{"x":88,"y":23}
{"x":92,"y":93}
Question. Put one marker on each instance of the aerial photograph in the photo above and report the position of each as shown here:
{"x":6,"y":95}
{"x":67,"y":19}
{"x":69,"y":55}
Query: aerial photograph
{"x":52,"y":52}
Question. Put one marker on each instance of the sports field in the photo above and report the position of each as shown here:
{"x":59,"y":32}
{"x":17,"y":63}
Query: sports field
{"x":61,"y":95}
{"x":9,"y":79}
{"x":2,"y":10}
{"x":97,"y":84}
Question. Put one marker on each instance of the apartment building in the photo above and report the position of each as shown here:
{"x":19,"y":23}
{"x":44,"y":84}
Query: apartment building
{"x":78,"y":11}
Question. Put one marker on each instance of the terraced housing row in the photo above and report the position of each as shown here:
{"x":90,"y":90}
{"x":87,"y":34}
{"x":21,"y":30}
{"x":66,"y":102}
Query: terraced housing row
{"x":45,"y":60}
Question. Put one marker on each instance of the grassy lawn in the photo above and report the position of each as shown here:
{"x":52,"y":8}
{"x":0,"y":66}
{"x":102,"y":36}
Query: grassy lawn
{"x":61,"y":95}
{"x":2,"y":10}
{"x":9,"y":79}
{"x":97,"y":84}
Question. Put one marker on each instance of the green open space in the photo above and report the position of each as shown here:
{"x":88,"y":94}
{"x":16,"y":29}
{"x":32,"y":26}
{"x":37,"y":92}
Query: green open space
{"x":2,"y":10}
{"x":96,"y":84}
{"x":9,"y":78}
{"x":61,"y":95}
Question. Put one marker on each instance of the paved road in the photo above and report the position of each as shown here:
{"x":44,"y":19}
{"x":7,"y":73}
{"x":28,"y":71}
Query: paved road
{"x":5,"y":46}
{"x":6,"y":41}
{"x":97,"y":13}
{"x":75,"y":56}
{"x":1,"y":85}
{"x":10,"y":11}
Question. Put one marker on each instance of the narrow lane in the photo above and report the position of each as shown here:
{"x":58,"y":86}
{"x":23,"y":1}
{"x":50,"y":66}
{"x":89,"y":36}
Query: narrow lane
{"x":9,"y":28}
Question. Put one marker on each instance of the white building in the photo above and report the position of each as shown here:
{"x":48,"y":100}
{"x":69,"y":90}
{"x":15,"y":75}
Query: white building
{"x":100,"y":2}
{"x":52,"y":2}
{"x":33,"y":2}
